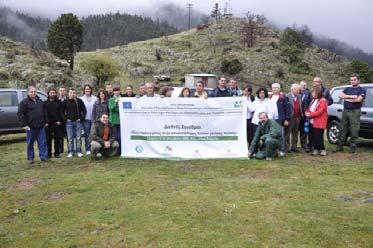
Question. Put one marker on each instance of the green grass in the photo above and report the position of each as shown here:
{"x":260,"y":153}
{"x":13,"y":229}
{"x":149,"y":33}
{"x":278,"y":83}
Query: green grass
{"x":298,"y":201}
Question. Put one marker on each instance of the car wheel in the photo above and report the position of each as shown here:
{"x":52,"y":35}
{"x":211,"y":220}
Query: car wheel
{"x":333,"y":132}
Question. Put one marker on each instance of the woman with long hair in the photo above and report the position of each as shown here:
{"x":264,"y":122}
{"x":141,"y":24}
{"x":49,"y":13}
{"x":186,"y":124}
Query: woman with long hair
{"x":101,"y":105}
{"x":185,"y":92}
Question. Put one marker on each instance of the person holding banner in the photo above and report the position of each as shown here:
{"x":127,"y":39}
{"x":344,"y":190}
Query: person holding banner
{"x":200,"y":90}
{"x":247,"y":90}
{"x":149,"y":87}
{"x":221,"y":90}
{"x":267,"y":139}
{"x":185,"y":92}
{"x":114,"y":114}
{"x":103,"y":138}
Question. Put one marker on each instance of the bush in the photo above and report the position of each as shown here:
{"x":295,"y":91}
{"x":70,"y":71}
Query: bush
{"x":291,"y":37}
{"x":292,"y":53}
{"x":103,"y":67}
{"x":300,"y":68}
{"x":273,"y":45}
{"x":279,"y":73}
{"x":231,"y":67}
{"x":362,"y":68}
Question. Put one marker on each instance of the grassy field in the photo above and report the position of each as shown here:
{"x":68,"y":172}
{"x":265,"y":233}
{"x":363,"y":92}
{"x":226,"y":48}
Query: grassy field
{"x":298,"y":201}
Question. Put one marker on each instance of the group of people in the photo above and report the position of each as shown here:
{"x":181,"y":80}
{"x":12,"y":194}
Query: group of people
{"x":274,"y":122}
{"x":274,"y":119}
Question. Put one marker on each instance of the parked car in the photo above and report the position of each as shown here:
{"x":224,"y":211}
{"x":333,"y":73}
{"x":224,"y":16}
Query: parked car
{"x":9,"y":100}
{"x":335,"y":114}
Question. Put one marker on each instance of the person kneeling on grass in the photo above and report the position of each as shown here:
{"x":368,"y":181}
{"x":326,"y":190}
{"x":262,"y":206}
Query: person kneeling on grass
{"x":103,"y":138}
{"x":267,"y":139}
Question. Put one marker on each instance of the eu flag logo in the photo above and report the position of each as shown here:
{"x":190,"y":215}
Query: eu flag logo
{"x":127,"y":105}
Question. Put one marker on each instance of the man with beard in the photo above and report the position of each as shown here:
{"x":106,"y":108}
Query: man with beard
{"x":267,"y":139}
{"x":53,"y":108}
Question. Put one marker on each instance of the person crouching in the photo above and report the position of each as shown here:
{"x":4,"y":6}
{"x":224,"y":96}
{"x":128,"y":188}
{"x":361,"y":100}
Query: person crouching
{"x":267,"y":139}
{"x":103,"y":136}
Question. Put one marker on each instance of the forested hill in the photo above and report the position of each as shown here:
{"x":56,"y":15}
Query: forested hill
{"x":22,"y":27}
{"x":100,"y":31}
{"x":104,"y":31}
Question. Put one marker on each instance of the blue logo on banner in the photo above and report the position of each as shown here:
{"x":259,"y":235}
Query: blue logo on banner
{"x":127,"y":105}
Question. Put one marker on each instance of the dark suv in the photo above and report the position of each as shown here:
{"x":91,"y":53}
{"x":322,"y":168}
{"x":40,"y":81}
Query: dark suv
{"x":9,"y":100}
{"x":335,"y":114}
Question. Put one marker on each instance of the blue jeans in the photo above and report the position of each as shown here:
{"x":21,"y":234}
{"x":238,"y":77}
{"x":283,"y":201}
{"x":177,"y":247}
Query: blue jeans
{"x":87,"y":130}
{"x":74,"y":133}
{"x":37,"y":134}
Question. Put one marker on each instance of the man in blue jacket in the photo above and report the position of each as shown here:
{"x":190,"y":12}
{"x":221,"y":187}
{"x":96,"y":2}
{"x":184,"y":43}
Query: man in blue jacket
{"x":281,"y":109}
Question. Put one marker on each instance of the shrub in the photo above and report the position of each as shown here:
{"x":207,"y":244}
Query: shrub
{"x":279,"y":73}
{"x":231,"y":67}
{"x":300,"y":68}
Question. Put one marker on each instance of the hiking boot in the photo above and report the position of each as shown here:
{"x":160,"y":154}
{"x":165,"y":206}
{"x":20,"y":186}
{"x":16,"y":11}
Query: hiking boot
{"x":323,"y":153}
{"x":268,"y":159}
{"x":70,"y":155}
{"x":31,"y":161}
{"x":338,"y":149}
{"x":80,"y":154}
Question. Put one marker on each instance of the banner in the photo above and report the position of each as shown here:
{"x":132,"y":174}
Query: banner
{"x":183,"y":128}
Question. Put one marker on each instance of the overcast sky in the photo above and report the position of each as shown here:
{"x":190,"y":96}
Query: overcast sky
{"x":346,"y":20}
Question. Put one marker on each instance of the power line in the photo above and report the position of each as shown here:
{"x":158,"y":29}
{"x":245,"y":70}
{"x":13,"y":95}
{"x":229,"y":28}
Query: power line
{"x":189,"y":7}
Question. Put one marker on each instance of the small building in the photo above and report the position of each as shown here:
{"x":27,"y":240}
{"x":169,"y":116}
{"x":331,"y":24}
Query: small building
{"x":209,"y":80}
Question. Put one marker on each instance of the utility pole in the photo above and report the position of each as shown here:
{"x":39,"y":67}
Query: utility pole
{"x":189,"y":7}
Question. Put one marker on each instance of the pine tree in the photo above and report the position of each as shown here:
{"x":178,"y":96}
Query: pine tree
{"x":65,"y":37}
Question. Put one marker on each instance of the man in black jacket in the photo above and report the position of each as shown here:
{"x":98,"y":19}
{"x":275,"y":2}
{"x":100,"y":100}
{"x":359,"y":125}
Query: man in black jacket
{"x":74,"y":113}
{"x":325,"y":91}
{"x":32,"y":116}
{"x":103,"y":137}
{"x":221,"y":90}
{"x":53,"y":108}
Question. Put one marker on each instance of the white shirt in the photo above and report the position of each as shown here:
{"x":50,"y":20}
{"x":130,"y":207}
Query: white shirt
{"x":313,"y":107}
{"x":249,"y":108}
{"x":155,"y":95}
{"x":88,"y":103}
{"x":259,"y":106}
{"x":273,"y":106}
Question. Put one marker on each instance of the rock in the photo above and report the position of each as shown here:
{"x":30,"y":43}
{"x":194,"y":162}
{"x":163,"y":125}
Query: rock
{"x":345,"y":198}
{"x":369,"y":200}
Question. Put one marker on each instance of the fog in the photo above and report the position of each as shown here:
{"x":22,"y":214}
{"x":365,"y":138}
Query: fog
{"x":348,"y":20}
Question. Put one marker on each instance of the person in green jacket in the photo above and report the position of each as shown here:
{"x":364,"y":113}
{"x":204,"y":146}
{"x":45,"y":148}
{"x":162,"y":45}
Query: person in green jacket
{"x":103,"y":138}
{"x":113,"y":106}
{"x":267,"y":138}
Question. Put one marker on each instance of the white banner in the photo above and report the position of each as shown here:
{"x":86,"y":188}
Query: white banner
{"x":183,"y":128}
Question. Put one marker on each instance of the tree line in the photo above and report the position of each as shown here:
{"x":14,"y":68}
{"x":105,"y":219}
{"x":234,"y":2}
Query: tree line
{"x":99,"y":31}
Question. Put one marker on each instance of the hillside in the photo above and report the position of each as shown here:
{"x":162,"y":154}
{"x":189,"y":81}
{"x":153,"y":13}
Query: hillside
{"x":19,"y":65}
{"x":203,"y":51}
{"x":99,"y":31}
